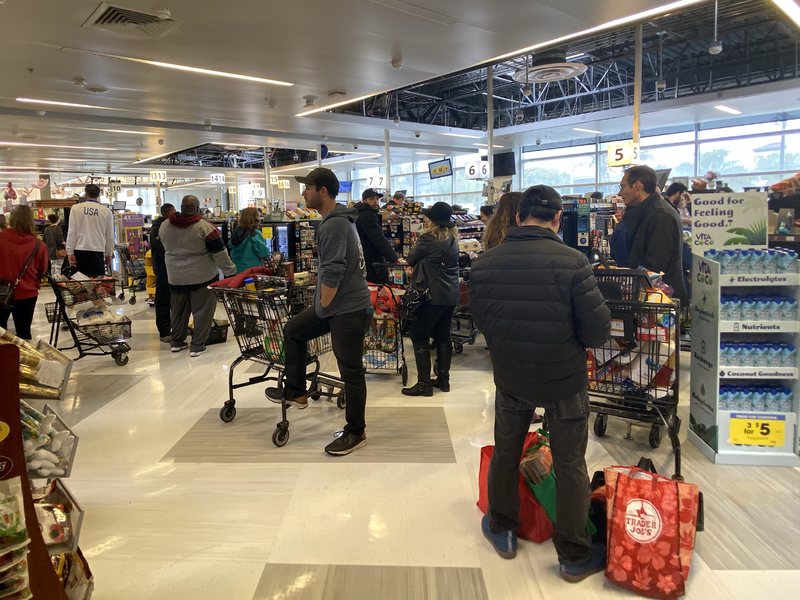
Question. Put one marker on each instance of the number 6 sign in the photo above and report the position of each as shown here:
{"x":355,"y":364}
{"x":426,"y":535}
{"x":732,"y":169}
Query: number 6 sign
{"x":477,"y":170}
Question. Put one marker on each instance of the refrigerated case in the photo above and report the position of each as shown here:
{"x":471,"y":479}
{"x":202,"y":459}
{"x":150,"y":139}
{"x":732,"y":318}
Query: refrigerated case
{"x":295,"y":240}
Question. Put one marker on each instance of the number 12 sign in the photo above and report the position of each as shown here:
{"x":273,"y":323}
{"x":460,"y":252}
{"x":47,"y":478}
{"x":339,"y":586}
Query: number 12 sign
{"x":622,"y":153}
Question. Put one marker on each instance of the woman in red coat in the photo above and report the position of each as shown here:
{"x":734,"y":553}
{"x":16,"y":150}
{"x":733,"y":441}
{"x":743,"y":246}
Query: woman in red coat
{"x":17,"y":243}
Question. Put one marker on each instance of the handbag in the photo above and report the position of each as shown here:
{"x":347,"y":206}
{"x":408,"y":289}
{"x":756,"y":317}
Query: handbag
{"x":651,"y":527}
{"x":7,"y":289}
{"x":534,"y":522}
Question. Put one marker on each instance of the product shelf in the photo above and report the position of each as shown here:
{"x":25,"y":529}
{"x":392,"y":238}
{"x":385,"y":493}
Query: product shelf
{"x":759,"y":327}
{"x":757,"y":372}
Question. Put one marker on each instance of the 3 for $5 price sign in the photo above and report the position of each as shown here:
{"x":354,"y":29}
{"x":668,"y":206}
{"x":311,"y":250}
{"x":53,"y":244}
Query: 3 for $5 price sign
{"x":757,"y":430}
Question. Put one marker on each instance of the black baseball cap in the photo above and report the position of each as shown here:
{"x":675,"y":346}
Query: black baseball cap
{"x":369,"y":193}
{"x":541,"y":195}
{"x":322,"y":177}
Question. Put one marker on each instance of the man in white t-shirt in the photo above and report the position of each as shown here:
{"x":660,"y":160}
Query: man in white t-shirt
{"x":90,"y":238}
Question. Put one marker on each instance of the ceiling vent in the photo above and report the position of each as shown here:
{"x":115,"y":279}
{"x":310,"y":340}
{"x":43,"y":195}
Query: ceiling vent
{"x":550,"y":65}
{"x":119,"y":19}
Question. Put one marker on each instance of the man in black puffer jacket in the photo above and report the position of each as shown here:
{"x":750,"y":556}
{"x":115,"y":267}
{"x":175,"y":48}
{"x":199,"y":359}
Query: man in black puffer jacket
{"x":538,"y":306}
{"x":376,"y":247}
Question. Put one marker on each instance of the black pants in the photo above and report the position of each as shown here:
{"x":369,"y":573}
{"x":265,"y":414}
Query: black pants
{"x":433,"y":321}
{"x":162,"y":305}
{"x":568,"y":420}
{"x":91,"y":264}
{"x":347,"y":335}
{"x":22,"y":311}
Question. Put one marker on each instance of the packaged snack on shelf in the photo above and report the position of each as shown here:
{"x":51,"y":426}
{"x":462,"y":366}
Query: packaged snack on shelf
{"x":54,"y":522}
{"x":12,"y":514}
{"x":13,"y":555}
{"x":80,"y":581}
{"x":48,"y":443}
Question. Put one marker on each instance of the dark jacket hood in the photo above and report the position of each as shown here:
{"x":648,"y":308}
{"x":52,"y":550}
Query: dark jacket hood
{"x":342,"y":212}
{"x":240,"y":234}
{"x":532,"y":232}
{"x":364,"y":207}
{"x":182,"y":221}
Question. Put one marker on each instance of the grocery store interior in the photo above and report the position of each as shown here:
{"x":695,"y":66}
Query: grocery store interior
{"x":173,"y":496}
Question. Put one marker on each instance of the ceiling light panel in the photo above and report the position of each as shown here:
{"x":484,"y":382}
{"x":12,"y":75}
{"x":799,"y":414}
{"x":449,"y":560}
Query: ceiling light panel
{"x":581,"y":129}
{"x":27,"y":145}
{"x":66,"y":104}
{"x":791,"y":9}
{"x":728,"y":109}
{"x":129,"y":131}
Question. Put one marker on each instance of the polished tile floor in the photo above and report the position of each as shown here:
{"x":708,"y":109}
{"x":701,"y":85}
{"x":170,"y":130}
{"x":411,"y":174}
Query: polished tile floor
{"x":180,"y":505}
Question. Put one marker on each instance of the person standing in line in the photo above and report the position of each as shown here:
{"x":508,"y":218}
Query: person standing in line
{"x":163,"y":297}
{"x":21,"y":255}
{"x":341,"y":307}
{"x":486,"y":213}
{"x":90,"y":237}
{"x":54,"y":239}
{"x":655,"y":235}
{"x":537,"y":303}
{"x":376,"y":248}
{"x":193,"y":250}
{"x":435,"y":262}
{"x":248,"y":246}
{"x":504,"y":217}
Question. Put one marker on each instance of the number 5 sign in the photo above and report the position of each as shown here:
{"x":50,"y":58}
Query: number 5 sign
{"x":477,"y":170}
{"x":623,"y":153}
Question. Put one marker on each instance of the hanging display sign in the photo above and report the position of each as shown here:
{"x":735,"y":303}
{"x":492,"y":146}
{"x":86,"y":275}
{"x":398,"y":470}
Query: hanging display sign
{"x":115,"y":186}
{"x":257,"y":192}
{"x":477,"y":170}
{"x":623,"y":153}
{"x":231,"y":189}
{"x":284,"y":184}
{"x":726,"y":220}
{"x":218,"y":179}
{"x":132,"y":224}
{"x":273,"y":180}
{"x":158,"y":177}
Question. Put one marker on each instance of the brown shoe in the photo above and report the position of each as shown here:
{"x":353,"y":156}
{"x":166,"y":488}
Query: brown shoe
{"x":299,"y":403}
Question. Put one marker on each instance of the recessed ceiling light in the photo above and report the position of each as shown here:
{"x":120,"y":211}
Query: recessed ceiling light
{"x":25,"y":144}
{"x":586,"y":130}
{"x":69,"y":104}
{"x":728,"y":109}
{"x":790,"y":8}
{"x":185,"y":68}
{"x":487,"y":145}
{"x":122,"y":131}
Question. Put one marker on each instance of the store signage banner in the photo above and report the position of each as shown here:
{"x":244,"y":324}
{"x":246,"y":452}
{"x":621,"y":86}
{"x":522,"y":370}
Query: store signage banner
{"x":726,"y":220}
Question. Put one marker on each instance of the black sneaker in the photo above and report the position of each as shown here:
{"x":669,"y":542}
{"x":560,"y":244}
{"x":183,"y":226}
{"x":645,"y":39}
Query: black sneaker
{"x":346,"y":443}
{"x":276,"y":396}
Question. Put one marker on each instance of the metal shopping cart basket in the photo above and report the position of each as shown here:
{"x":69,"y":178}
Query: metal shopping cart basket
{"x":635,"y":373}
{"x":463,"y":330}
{"x":257,"y":318}
{"x":96,"y":339}
{"x":383,"y":342}
{"x":132,"y":273}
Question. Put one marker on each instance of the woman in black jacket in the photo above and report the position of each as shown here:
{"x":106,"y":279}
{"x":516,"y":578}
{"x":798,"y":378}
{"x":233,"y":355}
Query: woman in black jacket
{"x":435,"y":262}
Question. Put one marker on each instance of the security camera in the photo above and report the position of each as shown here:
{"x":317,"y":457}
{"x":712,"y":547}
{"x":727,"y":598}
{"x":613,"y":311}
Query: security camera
{"x":355,"y":146}
{"x":661,"y":85}
{"x":41,"y":113}
{"x":715,"y":48}
{"x":160,"y":141}
{"x":417,"y":134}
{"x":538,"y":141}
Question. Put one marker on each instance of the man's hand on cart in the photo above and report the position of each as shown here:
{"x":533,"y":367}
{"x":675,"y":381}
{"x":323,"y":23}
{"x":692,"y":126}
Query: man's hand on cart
{"x":73,"y":262}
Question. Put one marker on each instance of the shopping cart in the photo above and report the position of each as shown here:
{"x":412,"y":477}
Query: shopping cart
{"x":89,"y":339}
{"x":132,"y":273}
{"x":635,"y":373}
{"x":463,"y":330}
{"x":383,"y":343}
{"x":258,"y":318}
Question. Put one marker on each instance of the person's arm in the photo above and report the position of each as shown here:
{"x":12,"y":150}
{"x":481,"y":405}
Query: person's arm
{"x":72,"y":237}
{"x":371,"y":228}
{"x":109,"y":237}
{"x":156,"y":245}
{"x":589,"y":311}
{"x":58,"y":236}
{"x":663,"y":232}
{"x":216,"y":248}
{"x":420,"y":250}
{"x":332,"y":248}
{"x":260,"y":246}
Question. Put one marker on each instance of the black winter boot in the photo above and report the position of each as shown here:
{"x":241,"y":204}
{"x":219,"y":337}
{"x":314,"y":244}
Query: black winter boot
{"x":444,"y":352}
{"x":423,"y":387}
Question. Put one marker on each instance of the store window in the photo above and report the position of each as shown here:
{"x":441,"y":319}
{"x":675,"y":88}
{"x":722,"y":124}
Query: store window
{"x":726,"y":132}
{"x":679,"y":158}
{"x":559,"y":171}
{"x":791,"y":158}
{"x":403,"y":182}
{"x":746,"y":155}
{"x":669,"y":138}
{"x":424,"y":185}
{"x":556,"y":152}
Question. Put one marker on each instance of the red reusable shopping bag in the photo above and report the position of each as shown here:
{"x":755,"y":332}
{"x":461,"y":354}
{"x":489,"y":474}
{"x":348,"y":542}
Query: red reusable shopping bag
{"x":652,"y":521}
{"x":534,"y":523}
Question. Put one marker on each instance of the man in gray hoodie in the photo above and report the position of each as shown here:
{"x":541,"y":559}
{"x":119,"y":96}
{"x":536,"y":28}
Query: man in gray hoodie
{"x":194,"y":250}
{"x":341,"y":303}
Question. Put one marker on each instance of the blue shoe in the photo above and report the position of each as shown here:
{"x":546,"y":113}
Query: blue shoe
{"x":504,"y":542}
{"x":580,"y":571}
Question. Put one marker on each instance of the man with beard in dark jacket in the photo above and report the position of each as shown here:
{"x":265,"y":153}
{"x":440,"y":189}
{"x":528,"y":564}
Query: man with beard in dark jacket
{"x":655,"y":233}
{"x":162,"y":300}
{"x":538,"y":306}
{"x":376,"y":247}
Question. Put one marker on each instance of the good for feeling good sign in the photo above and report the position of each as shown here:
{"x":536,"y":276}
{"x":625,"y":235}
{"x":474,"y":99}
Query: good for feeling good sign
{"x":729,"y":219}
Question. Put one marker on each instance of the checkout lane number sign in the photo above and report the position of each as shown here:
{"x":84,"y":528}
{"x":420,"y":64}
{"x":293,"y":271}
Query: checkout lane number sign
{"x":622,"y":153}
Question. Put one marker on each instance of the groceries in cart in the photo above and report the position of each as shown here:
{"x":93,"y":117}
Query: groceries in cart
{"x":383,"y":343}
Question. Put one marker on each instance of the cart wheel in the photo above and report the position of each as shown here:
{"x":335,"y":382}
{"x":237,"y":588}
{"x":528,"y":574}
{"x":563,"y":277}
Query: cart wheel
{"x":600,"y":424}
{"x":314,"y":394}
{"x":341,"y":400}
{"x":227,"y":413}
{"x":120,"y":359}
{"x":132,"y":301}
{"x":655,"y":436}
{"x":280,"y":437}
{"x":458,"y":347}
{"x":121,"y":296}
{"x":404,"y":374}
